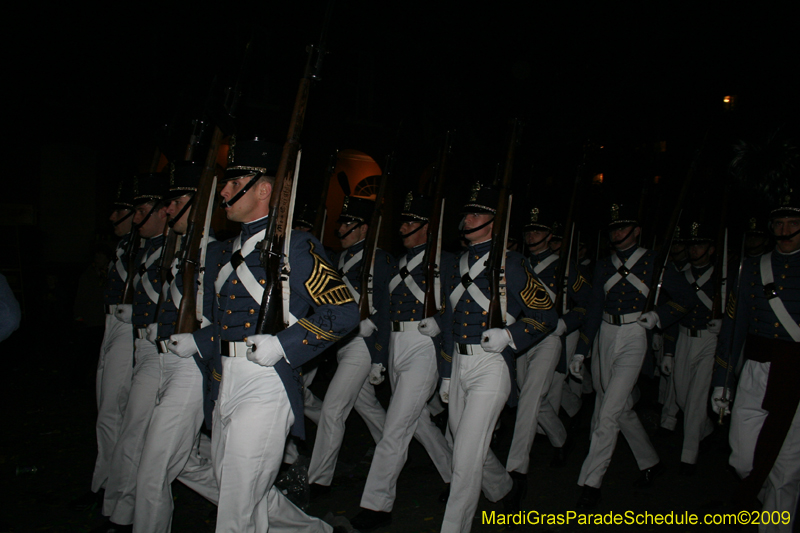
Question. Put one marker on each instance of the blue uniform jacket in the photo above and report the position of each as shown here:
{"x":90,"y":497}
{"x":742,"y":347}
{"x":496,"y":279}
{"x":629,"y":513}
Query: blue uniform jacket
{"x":319,"y":300}
{"x":378,"y":342}
{"x":117,"y":274}
{"x":148,"y":284}
{"x":749,"y":312}
{"x":698,"y":316}
{"x":528,"y":303}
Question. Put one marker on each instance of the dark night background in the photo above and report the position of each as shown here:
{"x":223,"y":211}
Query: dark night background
{"x":633,"y":88}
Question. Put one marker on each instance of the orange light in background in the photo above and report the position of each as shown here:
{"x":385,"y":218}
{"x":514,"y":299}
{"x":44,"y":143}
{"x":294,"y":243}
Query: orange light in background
{"x":656,"y":179}
{"x":597,"y":179}
{"x":727,"y":99}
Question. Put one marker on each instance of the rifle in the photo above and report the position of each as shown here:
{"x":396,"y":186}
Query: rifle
{"x":322,"y":210}
{"x":432,"y":255}
{"x":497,"y":255}
{"x":562,"y":278}
{"x":721,"y":263}
{"x":371,"y":243}
{"x":271,"y":315}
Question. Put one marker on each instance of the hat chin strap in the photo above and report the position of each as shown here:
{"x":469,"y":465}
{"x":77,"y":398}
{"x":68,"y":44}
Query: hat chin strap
{"x":183,"y":210}
{"x":464,"y":232}
{"x":540,"y":241}
{"x":412,"y":232}
{"x":340,"y":236}
{"x":620,"y":241}
{"x":135,"y":227}
{"x":238,"y":196}
{"x":786,"y":237}
{"x":123,"y":219}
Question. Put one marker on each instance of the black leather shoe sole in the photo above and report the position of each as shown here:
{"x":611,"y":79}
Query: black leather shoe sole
{"x":367,"y":519}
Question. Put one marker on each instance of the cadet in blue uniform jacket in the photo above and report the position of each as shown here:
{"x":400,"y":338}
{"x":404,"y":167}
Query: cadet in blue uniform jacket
{"x":620,"y":290}
{"x":174,"y":448}
{"x":260,"y":397}
{"x":761,"y":323}
{"x":482,"y":369}
{"x":413,"y":354}
{"x":363,"y":356}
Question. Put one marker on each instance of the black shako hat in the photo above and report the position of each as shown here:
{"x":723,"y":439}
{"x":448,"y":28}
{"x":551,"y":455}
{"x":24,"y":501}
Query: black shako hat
{"x":622,"y":215}
{"x":356,"y":209}
{"x":482,"y":199}
{"x":416,"y":208}
{"x":184,"y":178}
{"x":124,"y":196}
{"x":699,"y":232}
{"x":248,"y":156}
{"x":303,"y":218}
{"x":538,"y":219}
{"x":149,"y":187}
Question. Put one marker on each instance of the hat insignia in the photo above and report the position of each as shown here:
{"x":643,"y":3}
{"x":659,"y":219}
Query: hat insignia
{"x":172,"y":174}
{"x":475,"y":188}
{"x":230,"y":149}
{"x":752,"y":223}
{"x":535,"y":214}
{"x":409,"y":199}
{"x":345,"y":204}
{"x":119,"y":190}
{"x":695,"y":227}
{"x":614,"y":212}
{"x":135,"y":186}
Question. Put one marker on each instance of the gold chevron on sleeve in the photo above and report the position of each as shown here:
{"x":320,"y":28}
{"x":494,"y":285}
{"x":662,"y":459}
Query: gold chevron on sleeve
{"x":730,"y":309}
{"x":325,"y":285}
{"x":536,"y":325}
{"x":446,"y":357}
{"x":216,"y":375}
{"x":677,"y":307}
{"x":579,"y":282}
{"x":584,"y":338}
{"x":534,"y":294}
{"x":320,"y":333}
{"x":721,"y":363}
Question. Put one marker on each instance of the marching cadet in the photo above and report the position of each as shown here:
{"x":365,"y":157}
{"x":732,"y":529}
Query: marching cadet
{"x":260,"y":396}
{"x":173,"y":440}
{"x":765,"y":424}
{"x":413,"y":359}
{"x":150,"y":216}
{"x":756,"y":240}
{"x":622,"y":283}
{"x":663,"y":345}
{"x":693,"y":360}
{"x":363,"y":356}
{"x":115,"y":366}
{"x":482,"y":375}
{"x":535,"y":369}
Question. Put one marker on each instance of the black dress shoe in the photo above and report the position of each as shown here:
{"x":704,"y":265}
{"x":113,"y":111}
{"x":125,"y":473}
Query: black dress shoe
{"x":560,"y":455}
{"x":87,"y":501}
{"x":589,"y":498}
{"x":687,"y":469}
{"x":445,"y":494}
{"x":318,"y":490}
{"x":648,"y":475}
{"x":367,"y":519}
{"x":512,"y":502}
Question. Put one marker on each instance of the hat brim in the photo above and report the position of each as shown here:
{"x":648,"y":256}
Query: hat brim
{"x":343,"y":219}
{"x":616,"y":224}
{"x":236,"y":173}
{"x":408,"y":217}
{"x":476,"y":208}
{"x":534,"y":227}
{"x":784,"y":212}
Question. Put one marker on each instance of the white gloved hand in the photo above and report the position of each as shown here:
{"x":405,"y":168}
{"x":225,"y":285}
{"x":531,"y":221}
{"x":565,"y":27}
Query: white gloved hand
{"x":376,"y":374}
{"x":265,"y":350}
{"x":667,"y":363}
{"x":495,"y":340}
{"x":718,"y":403}
{"x":366,"y":328}
{"x":429,"y":327}
{"x":444,"y":390}
{"x":124,"y":313}
{"x":561,"y":328}
{"x":575,"y":365}
{"x":658,"y":342}
{"x":649,"y":320}
{"x":152,"y":333}
{"x":182,"y":344}
{"x":715,"y":326}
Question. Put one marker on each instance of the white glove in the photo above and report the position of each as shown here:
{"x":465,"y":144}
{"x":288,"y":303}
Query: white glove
{"x":366,"y":328}
{"x":429,"y":327}
{"x":182,"y":344}
{"x":575,"y":365}
{"x":152,"y":333}
{"x":444,"y":390}
{"x":561,"y":328}
{"x":658,"y":342}
{"x":667,"y":362}
{"x":649,"y":320}
{"x":265,"y":350}
{"x":376,"y":374}
{"x":495,"y":340}
{"x":715,"y":326}
{"x":718,"y":403}
{"x":124,"y":313}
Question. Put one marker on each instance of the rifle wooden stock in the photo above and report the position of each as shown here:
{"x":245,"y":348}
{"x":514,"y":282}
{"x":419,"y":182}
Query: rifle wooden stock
{"x":187,"y":321}
{"x":371,"y":243}
{"x":566,"y":245}
{"x":434,"y":223}
{"x":165,"y":262}
{"x":498,"y":249}
{"x":322,"y":210}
